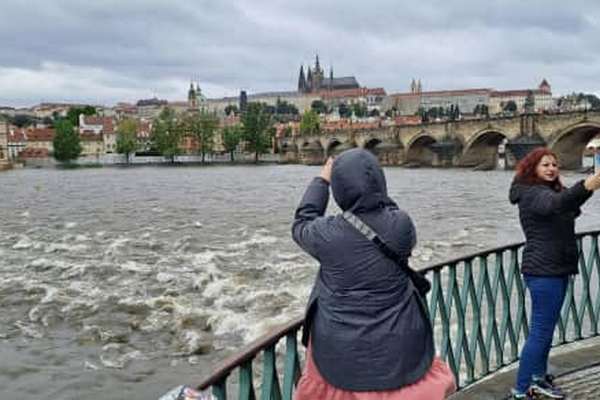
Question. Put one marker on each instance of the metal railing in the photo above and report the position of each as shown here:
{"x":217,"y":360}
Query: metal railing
{"x":477,"y":306}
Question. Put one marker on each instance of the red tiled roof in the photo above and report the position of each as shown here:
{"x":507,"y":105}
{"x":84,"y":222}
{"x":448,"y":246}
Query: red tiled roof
{"x":40,"y":135}
{"x":358,"y":92}
{"x":461,"y":92}
{"x":88,"y":136}
{"x":29,"y":152}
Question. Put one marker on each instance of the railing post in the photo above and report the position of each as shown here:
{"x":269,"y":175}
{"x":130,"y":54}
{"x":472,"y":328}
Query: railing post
{"x":291,"y":372}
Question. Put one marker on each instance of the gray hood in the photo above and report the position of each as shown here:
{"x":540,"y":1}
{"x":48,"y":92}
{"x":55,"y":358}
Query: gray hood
{"x":357,"y":182}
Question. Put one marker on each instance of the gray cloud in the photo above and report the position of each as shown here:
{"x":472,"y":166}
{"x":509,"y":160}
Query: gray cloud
{"x":108,"y":51}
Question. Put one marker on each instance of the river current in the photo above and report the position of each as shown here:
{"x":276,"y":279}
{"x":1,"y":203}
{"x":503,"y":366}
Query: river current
{"x":122,"y":283}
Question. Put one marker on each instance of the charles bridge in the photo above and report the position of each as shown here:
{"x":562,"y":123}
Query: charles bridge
{"x":465,"y":143}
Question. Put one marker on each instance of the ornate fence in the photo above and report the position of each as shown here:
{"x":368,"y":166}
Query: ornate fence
{"x":477,"y":306}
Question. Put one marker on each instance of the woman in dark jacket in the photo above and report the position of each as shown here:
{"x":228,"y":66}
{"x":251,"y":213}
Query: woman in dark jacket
{"x":547,"y":211}
{"x":366,"y":326}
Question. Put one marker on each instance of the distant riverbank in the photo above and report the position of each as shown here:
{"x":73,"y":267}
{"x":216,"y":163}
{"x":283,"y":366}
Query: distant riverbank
{"x":107,"y":160}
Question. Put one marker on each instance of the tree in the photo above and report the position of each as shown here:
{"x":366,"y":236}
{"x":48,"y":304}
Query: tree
{"x":166,"y":134}
{"x":231,"y":138}
{"x":256,"y":122}
{"x":510,"y":106}
{"x":319,"y":107}
{"x":22,"y":120}
{"x":359,"y":109}
{"x":284,"y":108}
{"x":127,"y":137}
{"x":73,"y":113}
{"x":374,"y":113}
{"x":232,"y":108}
{"x":67,"y":146}
{"x":203,"y":125}
{"x":310,"y":123}
{"x":344,"y":110}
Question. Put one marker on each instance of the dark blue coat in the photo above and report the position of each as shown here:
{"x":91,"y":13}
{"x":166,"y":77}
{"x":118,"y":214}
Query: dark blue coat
{"x":548,"y":221}
{"x":368,"y":327}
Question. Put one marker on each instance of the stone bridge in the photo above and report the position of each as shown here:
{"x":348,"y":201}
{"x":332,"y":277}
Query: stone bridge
{"x":468,"y":143}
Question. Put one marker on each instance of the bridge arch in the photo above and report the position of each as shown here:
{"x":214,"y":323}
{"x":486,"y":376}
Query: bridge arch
{"x":312,"y":152}
{"x":481,"y":149}
{"x":569,"y":143}
{"x":419,"y":151}
{"x":335,"y":146}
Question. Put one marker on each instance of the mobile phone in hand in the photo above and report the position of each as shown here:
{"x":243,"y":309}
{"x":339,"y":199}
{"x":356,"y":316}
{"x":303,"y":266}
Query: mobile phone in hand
{"x":596,"y":160}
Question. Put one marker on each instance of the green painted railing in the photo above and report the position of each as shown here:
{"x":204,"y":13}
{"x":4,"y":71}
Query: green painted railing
{"x":478,"y":309}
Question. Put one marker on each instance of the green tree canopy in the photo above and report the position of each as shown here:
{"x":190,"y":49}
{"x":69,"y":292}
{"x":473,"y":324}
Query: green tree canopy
{"x":310,"y":123}
{"x":203,"y":125}
{"x":231,"y":138}
{"x":359,"y":109}
{"x":284,"y":108}
{"x":73,"y":113}
{"x":256,"y":122}
{"x":232,"y":108}
{"x":22,"y":120}
{"x":66,"y":143}
{"x":344,"y":110}
{"x":319,"y":107}
{"x":510,"y":106}
{"x":166,"y":134}
{"x":127,"y":137}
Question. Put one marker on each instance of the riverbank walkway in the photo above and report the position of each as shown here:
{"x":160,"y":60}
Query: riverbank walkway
{"x":576,"y":367}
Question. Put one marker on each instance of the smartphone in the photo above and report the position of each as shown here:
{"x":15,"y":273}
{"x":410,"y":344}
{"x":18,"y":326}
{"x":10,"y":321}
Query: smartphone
{"x":596,"y":160}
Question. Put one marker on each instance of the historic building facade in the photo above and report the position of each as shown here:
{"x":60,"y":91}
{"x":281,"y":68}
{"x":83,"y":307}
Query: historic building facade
{"x":315,"y":81}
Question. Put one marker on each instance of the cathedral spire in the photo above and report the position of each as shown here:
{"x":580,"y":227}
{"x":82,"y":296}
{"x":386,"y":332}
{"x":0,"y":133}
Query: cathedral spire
{"x":301,"y":80}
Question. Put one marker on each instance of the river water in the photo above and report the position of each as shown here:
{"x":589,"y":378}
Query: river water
{"x":122,"y":283}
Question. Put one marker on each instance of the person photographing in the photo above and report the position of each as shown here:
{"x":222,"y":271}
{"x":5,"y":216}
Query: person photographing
{"x":366,"y":329}
{"x":547,"y":213}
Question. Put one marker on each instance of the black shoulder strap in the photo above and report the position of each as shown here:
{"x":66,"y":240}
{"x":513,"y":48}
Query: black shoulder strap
{"x":370,"y":234}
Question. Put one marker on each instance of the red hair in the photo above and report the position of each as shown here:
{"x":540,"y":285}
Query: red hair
{"x":526,"y":169}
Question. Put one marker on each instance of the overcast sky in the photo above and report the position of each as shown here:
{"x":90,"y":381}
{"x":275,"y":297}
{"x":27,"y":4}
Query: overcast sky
{"x":107,"y":51}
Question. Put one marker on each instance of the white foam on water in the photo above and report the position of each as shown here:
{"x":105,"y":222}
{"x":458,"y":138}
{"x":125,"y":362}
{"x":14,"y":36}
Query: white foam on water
{"x":24,"y":214}
{"x":114,"y":247}
{"x":164,"y":277}
{"x":52,"y":294}
{"x":81,"y":238}
{"x":23,"y":243}
{"x":28,"y":330}
{"x":134,"y":266}
{"x":57,"y":247}
{"x":70,"y":225}
{"x":89,"y":365}
{"x":256,"y":240}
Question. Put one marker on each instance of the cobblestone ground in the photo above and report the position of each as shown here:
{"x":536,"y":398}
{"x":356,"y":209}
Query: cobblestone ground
{"x":581,"y":385}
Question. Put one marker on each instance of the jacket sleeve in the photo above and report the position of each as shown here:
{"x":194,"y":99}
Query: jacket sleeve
{"x":307,"y":229}
{"x":546,"y":202}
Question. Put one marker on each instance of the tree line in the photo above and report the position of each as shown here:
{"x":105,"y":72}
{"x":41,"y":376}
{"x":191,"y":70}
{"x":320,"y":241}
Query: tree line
{"x":170,"y":129}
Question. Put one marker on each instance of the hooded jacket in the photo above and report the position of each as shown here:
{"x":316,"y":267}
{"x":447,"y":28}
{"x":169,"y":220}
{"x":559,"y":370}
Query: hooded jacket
{"x":548,"y":221}
{"x":368,"y":328}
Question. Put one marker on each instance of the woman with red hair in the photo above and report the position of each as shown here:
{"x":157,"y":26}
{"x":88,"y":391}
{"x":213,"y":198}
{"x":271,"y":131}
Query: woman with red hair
{"x":547,"y":211}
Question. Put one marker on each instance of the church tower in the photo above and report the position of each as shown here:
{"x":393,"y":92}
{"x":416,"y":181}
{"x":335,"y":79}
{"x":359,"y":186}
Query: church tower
{"x":317,"y":75}
{"x":302,"y":81}
{"x":192,"y":97}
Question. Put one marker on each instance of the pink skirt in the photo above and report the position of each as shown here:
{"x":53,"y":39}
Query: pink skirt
{"x":437,"y":384}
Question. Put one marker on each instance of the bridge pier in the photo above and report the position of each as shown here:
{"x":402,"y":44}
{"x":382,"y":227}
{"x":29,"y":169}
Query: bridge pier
{"x":389,"y":153}
{"x":447,"y":153}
